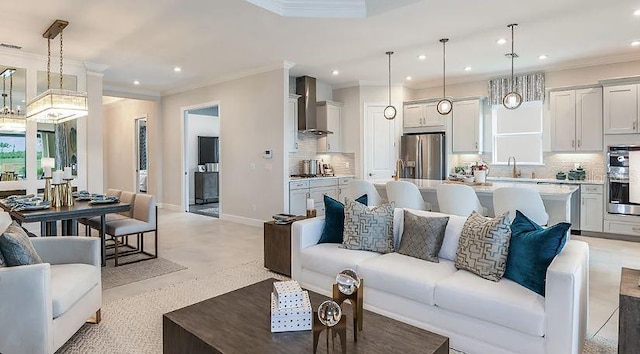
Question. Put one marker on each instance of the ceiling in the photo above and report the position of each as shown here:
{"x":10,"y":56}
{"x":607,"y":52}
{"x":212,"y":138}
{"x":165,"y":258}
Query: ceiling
{"x":213,"y":40}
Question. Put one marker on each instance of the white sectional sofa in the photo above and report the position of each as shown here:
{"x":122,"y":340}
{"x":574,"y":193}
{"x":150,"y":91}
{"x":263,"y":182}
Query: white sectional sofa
{"x":478,"y":315}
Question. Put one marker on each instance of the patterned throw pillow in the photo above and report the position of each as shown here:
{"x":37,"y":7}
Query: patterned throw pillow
{"x":484,"y":246}
{"x":368,"y":229}
{"x":422,"y":236}
{"x":16,"y":247}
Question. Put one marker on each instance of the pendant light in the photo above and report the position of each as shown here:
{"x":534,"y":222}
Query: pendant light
{"x":56,"y":105}
{"x":513,"y":99}
{"x":11,"y":121}
{"x":444,"y":105}
{"x":389,"y":111}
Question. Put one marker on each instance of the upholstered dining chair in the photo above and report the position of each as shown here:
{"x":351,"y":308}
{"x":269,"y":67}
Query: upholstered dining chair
{"x":85,"y":221}
{"x":126,"y":198}
{"x":359,"y":187}
{"x":527,"y":200}
{"x":458,"y":199}
{"x":406,"y":195}
{"x":144,"y":220}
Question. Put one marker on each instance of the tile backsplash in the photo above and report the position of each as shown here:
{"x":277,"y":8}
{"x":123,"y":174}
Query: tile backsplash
{"x":593,"y":163}
{"x":308,"y":149}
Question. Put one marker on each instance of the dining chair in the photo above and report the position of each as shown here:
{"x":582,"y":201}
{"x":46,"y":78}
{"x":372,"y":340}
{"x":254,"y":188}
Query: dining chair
{"x":144,"y":220}
{"x":406,"y":195}
{"x":358,"y":187}
{"x":85,"y":221}
{"x":125,"y":198}
{"x":458,"y":199}
{"x":528,"y":201}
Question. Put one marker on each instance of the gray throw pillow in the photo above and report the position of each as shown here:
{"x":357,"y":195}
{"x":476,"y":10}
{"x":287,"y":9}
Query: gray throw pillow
{"x":484,"y":246}
{"x":422,"y":237}
{"x":368,"y":229}
{"x":16,"y":247}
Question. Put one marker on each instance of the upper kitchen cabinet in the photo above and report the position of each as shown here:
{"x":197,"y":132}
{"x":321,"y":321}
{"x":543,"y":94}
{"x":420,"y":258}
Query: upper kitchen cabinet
{"x":468,"y":119}
{"x":292,"y":123}
{"x":621,"y":109}
{"x":422,"y":115}
{"x":330,"y":118}
{"x":576,"y":120}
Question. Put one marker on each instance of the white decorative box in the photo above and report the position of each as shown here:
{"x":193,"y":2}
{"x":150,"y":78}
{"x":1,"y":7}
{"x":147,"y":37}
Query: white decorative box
{"x":291,"y":319}
{"x":288,"y":294}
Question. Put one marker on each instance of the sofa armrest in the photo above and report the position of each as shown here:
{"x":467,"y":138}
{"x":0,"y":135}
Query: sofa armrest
{"x":304,"y":233}
{"x":26,"y":311}
{"x":567,"y":299}
{"x":68,"y":249}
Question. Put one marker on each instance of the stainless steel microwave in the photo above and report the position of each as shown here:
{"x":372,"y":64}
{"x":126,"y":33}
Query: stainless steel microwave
{"x":623,"y":178}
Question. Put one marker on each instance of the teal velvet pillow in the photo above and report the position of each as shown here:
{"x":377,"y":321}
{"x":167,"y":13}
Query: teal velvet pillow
{"x":532,"y":250}
{"x":334,"y":219}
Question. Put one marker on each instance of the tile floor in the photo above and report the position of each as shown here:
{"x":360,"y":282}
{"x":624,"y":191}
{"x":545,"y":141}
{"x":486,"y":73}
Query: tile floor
{"x":205,"y":245}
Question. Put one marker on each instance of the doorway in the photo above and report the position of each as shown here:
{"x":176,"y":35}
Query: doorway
{"x":141,"y":155}
{"x":202,"y":160}
{"x":380,"y":143}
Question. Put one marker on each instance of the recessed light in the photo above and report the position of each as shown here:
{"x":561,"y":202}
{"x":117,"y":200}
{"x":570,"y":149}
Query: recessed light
{"x":501,"y":41}
{"x":637,"y":12}
{"x":409,"y":78}
{"x":542,"y":56}
{"x":177,"y":69}
{"x":335,"y":72}
{"x":467,"y":68}
{"x":136,"y":82}
{"x":635,"y":43}
{"x":422,"y":57}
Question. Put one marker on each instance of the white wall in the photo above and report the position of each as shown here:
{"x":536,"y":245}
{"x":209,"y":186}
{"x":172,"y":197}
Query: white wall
{"x":198,"y":125}
{"x":252,"y":113}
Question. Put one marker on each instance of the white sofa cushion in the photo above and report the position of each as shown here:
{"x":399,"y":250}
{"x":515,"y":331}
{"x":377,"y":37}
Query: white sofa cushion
{"x":405,"y":276}
{"x":69,"y":283}
{"x":504,"y":303}
{"x":451,"y":233}
{"x":331,"y":258}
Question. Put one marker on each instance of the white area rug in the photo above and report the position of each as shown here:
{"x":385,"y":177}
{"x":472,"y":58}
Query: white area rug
{"x":134,"y":325}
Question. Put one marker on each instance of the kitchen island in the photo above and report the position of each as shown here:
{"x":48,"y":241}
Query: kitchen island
{"x":556,"y":198}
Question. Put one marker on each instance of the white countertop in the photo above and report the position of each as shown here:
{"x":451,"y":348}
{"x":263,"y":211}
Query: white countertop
{"x":545,"y":180}
{"x":316,"y":178}
{"x":545,"y":190}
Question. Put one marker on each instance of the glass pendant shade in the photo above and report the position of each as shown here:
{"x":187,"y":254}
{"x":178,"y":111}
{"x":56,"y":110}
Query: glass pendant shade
{"x":57,"y":106}
{"x":390,"y":112}
{"x":444,"y":106}
{"x":512,"y":100}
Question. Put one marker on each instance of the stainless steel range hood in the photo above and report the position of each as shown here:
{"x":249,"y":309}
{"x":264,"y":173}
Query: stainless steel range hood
{"x":307,"y":117}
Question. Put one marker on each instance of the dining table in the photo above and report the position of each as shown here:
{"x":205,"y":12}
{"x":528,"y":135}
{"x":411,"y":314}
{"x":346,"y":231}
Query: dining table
{"x":68,"y":216}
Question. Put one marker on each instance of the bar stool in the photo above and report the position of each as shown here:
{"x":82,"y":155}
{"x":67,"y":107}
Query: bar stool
{"x":359,"y":187}
{"x":528,"y":201}
{"x":406,"y":195}
{"x":458,"y":199}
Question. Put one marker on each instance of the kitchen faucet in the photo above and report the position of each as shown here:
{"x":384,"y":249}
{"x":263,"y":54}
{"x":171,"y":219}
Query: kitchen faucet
{"x":515,"y":173}
{"x":399,"y":167}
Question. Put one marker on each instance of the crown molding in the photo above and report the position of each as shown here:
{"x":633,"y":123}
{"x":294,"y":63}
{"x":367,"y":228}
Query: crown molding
{"x":288,"y":65}
{"x":95,"y":68}
{"x":315,"y":8}
{"x":114,"y":89}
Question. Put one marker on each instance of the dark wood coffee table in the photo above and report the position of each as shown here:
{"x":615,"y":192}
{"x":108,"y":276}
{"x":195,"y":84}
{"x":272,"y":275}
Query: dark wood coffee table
{"x":239,"y":322}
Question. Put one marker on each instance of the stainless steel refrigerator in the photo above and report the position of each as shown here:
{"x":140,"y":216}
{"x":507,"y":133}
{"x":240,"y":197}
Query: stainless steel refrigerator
{"x":423,"y":156}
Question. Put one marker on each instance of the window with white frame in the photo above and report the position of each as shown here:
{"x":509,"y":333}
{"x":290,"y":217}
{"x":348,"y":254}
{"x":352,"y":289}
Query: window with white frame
{"x":518,"y":133}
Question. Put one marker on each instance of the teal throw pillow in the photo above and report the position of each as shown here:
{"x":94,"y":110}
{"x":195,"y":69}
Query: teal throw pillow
{"x":334,"y":219}
{"x":532,"y":250}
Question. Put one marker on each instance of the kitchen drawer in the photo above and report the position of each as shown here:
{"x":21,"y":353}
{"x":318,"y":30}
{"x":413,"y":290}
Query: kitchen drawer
{"x":323,"y":182}
{"x":317,"y":194}
{"x":344,"y":180}
{"x":622,"y":228}
{"x":592,"y":188}
{"x":298,"y":185}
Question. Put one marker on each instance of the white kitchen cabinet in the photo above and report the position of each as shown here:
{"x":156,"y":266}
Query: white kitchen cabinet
{"x":422,"y":115}
{"x":413,"y":115}
{"x":292,"y":123}
{"x":343,"y":188}
{"x":576,"y":120}
{"x":431,"y":116}
{"x":330,"y":118}
{"x":621,"y":109}
{"x":298,"y":201}
{"x":622,"y":227}
{"x":591,"y":207}
{"x":467,"y":126}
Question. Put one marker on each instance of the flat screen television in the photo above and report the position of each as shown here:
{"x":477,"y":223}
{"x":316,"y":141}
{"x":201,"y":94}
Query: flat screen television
{"x":208,"y":149}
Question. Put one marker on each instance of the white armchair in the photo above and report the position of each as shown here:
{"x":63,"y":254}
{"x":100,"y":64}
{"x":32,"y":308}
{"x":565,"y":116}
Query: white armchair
{"x":43,"y":305}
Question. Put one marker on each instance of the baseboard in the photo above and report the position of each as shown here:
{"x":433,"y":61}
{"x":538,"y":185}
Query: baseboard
{"x":171,"y":207}
{"x":242,"y":220}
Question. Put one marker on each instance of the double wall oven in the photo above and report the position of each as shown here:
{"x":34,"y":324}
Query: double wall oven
{"x":623,"y":176}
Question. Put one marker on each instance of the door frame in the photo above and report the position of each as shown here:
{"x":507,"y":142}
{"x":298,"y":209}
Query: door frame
{"x":365,"y":136}
{"x":184,"y":124}
{"x":136,"y":150}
